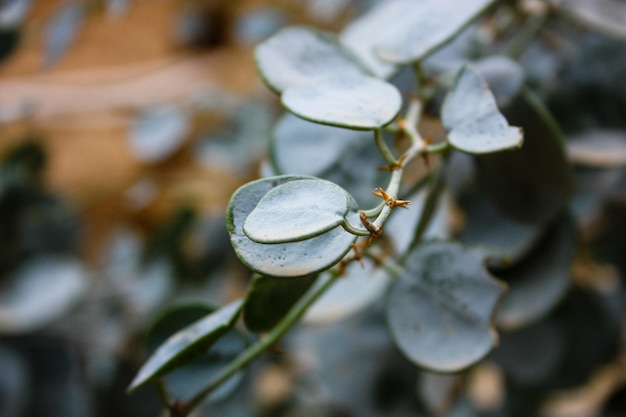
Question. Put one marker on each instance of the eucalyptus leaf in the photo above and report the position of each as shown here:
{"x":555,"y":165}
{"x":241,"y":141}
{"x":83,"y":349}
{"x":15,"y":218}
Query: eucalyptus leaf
{"x":534,"y":183}
{"x":187,"y":344}
{"x":471,"y":117}
{"x":269,"y":299}
{"x":543,"y":277}
{"x":294,"y":259}
{"x":598,"y":148}
{"x":440,"y":310}
{"x":297,"y":210}
{"x":61,"y":31}
{"x":424,"y":27}
{"x":504,"y":76}
{"x":607,"y":16}
{"x":354,"y":102}
{"x":158,"y":132}
{"x":343,"y":156}
{"x":185,"y":381}
{"x":299,"y":55}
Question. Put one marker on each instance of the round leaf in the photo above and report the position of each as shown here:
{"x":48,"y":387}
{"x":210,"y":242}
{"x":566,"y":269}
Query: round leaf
{"x":297,"y":210}
{"x":440,"y":309}
{"x":292,"y":259}
{"x":404,"y":31}
{"x":300,"y":55}
{"x":158,"y":133}
{"x":354,"y":102}
{"x":187,"y":344}
{"x":543,"y":277}
{"x":472,"y":119}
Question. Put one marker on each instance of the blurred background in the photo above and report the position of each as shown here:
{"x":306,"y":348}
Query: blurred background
{"x":125,"y":127}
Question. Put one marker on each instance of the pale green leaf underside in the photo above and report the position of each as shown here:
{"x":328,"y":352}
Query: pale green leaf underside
{"x":297,"y":210}
{"x":198,"y":335}
{"x":440,"y":310}
{"x":354,"y":102}
{"x":472,"y":119}
{"x":300,"y":55}
{"x":285,"y":260}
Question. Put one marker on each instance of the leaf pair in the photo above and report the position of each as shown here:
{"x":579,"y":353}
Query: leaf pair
{"x":289,"y":226}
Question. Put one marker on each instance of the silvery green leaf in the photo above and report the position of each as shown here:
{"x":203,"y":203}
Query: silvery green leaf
{"x":425,"y":26}
{"x":297,"y":210}
{"x":354,"y":102}
{"x":440,"y":310}
{"x":191,"y":341}
{"x":286,"y":260}
{"x":300,"y":55}
{"x":504,"y":76}
{"x":472,"y":119}
{"x":608,"y":16}
{"x":61,"y":31}
{"x":404,"y":31}
{"x":158,"y":132}
{"x":598,"y":148}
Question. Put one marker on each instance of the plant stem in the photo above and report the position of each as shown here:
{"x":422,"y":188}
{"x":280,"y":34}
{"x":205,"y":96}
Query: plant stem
{"x":382,"y":147}
{"x":432,"y":200}
{"x":247,"y":356}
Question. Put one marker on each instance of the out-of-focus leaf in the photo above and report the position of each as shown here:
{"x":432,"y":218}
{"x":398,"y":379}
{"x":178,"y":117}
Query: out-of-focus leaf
{"x":185,"y":381}
{"x":293,"y":259}
{"x":427,"y":25}
{"x":504,"y":77}
{"x":440,"y":310}
{"x":543,"y":277}
{"x":404,"y":31}
{"x":343,"y":156}
{"x":259,"y":24}
{"x":353,"y":102}
{"x":486,"y":226}
{"x":158,"y":132}
{"x":472,"y":119}
{"x":13,"y":12}
{"x":117,"y":7}
{"x":61,"y":31}
{"x":39,"y":293}
{"x":297,"y":210}
{"x":13,"y":383}
{"x":300,"y":55}
{"x":269,"y":299}
{"x":187,"y":344}
{"x":607,"y":16}
{"x":598,"y":148}
{"x":532,"y":184}
{"x":357,"y":289}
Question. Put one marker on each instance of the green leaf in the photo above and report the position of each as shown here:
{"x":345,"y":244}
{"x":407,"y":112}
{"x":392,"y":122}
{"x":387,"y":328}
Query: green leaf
{"x":606,"y":16}
{"x":293,"y":259}
{"x":354,"y":102}
{"x":269,"y":299}
{"x":171,"y":320}
{"x":401,"y":32}
{"x":343,"y":156}
{"x":440,"y":310}
{"x":187,"y":344}
{"x":424,"y":27}
{"x":297,"y":210}
{"x":472,"y":119}
{"x":543,"y":277}
{"x":532,"y":184}
{"x":300,"y":55}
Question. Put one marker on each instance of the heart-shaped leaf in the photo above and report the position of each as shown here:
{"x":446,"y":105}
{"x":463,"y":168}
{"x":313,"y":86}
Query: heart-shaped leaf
{"x":354,"y":102}
{"x":294,"y":259}
{"x":543,"y":277}
{"x":187,"y":344}
{"x":441,"y":308}
{"x":269,"y":299}
{"x":472,"y":119}
{"x":297,"y":210}
{"x":300,"y":55}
